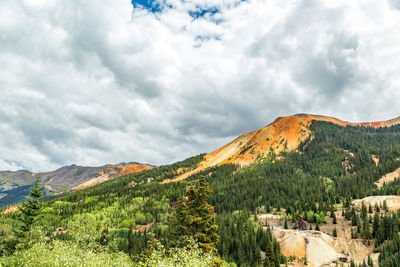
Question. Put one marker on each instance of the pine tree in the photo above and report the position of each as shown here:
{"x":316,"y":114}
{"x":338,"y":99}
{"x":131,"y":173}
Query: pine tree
{"x":380,"y":235}
{"x":286,"y":225}
{"x":334,"y":232}
{"x":334,"y":218}
{"x":332,"y":211}
{"x":131,"y":243}
{"x":277,"y":252}
{"x":377,"y":209}
{"x":369,"y":261}
{"x":364,"y":211}
{"x":375,"y":225}
{"x":367,"y":230}
{"x":269,"y":254}
{"x":266,"y":262}
{"x":194,"y":217}
{"x":385,"y":207}
{"x":30,"y":211}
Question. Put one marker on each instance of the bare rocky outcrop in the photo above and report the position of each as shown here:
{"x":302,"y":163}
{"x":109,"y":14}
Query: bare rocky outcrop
{"x":388,"y":178}
{"x":112,"y":172}
{"x":375,"y":158}
{"x":320,"y":247}
{"x":392,"y":202}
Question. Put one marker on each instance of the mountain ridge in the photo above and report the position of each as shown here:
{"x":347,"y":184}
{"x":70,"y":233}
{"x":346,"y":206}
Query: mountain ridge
{"x":284,"y":133}
{"x":14,"y":185}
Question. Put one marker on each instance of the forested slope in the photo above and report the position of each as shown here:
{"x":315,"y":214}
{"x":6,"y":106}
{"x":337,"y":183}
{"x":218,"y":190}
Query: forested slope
{"x":333,"y":166}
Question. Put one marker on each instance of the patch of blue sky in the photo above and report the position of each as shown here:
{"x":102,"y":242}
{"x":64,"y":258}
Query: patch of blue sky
{"x":201,"y":12}
{"x":208,"y":13}
{"x":154,"y":6}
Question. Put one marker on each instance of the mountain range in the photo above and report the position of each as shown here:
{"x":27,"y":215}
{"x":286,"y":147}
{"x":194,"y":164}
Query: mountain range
{"x":15,"y":185}
{"x":316,"y":171}
{"x":284,"y":133}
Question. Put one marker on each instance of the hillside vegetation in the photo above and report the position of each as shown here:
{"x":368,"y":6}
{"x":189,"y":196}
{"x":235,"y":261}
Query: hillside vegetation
{"x":329,"y":168}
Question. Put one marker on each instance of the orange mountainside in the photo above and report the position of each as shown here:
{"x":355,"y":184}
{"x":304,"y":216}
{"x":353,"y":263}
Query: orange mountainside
{"x":134,"y":168}
{"x":284,"y":133}
{"x":113,"y":172}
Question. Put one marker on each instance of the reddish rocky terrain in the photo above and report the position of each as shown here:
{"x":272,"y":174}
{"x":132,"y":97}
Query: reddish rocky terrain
{"x":134,"y":168}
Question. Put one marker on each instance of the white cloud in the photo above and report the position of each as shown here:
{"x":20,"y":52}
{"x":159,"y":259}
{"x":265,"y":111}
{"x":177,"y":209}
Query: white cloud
{"x":86,"y":83}
{"x":395,"y":4}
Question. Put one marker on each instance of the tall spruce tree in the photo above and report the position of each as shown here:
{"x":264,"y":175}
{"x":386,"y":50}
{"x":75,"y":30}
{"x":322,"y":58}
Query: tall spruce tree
{"x":194,"y":217}
{"x":30,"y":210}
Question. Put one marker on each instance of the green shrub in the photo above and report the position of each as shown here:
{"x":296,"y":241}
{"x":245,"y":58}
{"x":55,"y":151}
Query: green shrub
{"x":64,"y":253}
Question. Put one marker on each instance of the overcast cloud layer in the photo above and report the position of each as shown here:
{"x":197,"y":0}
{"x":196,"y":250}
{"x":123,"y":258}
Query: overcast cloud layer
{"x":89,"y":82}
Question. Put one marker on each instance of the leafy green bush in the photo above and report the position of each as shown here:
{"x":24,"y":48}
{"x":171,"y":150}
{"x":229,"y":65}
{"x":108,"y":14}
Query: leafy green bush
{"x":189,"y":256}
{"x":64,"y":253}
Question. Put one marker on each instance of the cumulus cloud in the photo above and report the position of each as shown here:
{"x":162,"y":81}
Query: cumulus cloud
{"x":395,"y":4}
{"x":93,"y":82}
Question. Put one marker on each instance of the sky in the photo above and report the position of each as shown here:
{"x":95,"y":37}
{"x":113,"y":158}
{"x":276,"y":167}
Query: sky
{"x":95,"y":82}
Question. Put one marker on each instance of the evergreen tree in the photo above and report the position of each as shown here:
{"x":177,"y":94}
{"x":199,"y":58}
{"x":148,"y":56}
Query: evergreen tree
{"x":305,"y":260}
{"x":354,"y":218}
{"x":380,"y":235}
{"x":369,"y":261}
{"x":385,"y":207}
{"x":131,"y":243}
{"x":363,"y":211}
{"x":194,"y":217}
{"x":334,"y":232}
{"x":266,"y":262}
{"x":377,"y":209}
{"x":334,"y":218}
{"x":30,"y":211}
{"x":269,"y":255}
{"x":375,"y":225}
{"x":366,"y":230}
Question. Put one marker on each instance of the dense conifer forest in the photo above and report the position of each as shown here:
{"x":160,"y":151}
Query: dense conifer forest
{"x":127,"y":217}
